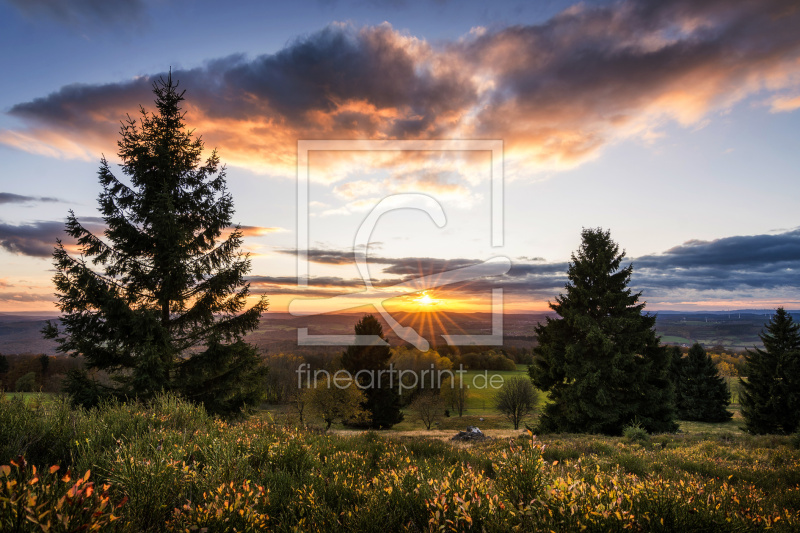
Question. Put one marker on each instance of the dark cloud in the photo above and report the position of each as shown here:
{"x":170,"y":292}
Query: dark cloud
{"x":85,"y":13}
{"x":754,"y":261}
{"x":590,"y":71}
{"x":69,"y":106}
{"x":739,"y":263}
{"x":25,"y":297}
{"x":411,"y":266}
{"x":39,"y":238}
{"x":420,"y":266}
{"x":10,"y":198}
{"x":319,"y":282}
{"x":327,"y":257}
{"x":555,"y":92}
{"x":773,"y":252}
{"x":312,"y":75}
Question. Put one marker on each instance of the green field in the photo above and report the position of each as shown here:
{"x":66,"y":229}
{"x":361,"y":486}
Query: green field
{"x":30,"y":396}
{"x":673,"y":339}
{"x":480,"y":399}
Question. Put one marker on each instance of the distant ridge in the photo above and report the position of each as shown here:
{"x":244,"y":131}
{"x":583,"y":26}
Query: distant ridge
{"x":716,"y":312}
{"x":736,"y":329}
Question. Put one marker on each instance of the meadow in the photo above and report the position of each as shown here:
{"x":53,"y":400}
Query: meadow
{"x":170,"y":467}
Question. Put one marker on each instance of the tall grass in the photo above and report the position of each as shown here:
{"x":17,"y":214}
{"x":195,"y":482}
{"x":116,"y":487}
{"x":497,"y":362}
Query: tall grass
{"x":168,"y":466}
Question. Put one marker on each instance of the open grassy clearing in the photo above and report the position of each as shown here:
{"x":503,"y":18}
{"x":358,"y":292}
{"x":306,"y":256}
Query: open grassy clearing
{"x":674,"y":339}
{"x":33,"y":396}
{"x":482,"y":413}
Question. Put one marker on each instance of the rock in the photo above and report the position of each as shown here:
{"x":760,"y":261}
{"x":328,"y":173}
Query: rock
{"x":472,"y":433}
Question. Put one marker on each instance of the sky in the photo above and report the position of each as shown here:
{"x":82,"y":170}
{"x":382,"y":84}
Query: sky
{"x":672,"y":124}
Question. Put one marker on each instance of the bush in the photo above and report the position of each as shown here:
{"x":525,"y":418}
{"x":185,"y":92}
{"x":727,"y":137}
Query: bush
{"x":520,"y":475}
{"x":41,"y":431}
{"x":32,"y":500}
{"x":229,"y":508}
{"x":26,"y":383}
{"x":635,"y":433}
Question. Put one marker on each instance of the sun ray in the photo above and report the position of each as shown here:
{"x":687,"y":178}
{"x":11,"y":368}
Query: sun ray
{"x":441,"y":324}
{"x":417,"y":318}
{"x":432,"y":337}
{"x":459,"y":328}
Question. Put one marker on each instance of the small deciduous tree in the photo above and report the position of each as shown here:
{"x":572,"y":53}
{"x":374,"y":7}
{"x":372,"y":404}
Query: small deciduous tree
{"x":701,"y":394}
{"x":427,"y":406}
{"x":455,"y":395}
{"x":770,"y":394}
{"x":331,"y":402}
{"x":26,"y":383}
{"x":4,"y":366}
{"x":298,"y":398}
{"x":158,"y":301}
{"x":516,"y":399}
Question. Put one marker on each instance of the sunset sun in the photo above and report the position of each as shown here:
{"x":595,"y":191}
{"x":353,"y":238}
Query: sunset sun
{"x":425,"y":300}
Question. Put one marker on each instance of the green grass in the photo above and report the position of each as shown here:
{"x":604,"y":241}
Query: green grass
{"x":30,"y":396}
{"x":675,"y":339}
{"x":480,"y":399}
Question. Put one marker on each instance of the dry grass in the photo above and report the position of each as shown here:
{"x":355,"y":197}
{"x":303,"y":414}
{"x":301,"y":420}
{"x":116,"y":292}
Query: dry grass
{"x":438,"y":434}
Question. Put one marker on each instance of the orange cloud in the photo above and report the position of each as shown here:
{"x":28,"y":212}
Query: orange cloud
{"x":557,"y":93}
{"x":785,"y":103}
{"x":259,"y":231}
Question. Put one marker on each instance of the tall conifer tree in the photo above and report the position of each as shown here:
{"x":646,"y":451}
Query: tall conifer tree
{"x":701,"y":393}
{"x":383,"y":401}
{"x":600,"y":360}
{"x":158,"y":301}
{"x":770,"y":397}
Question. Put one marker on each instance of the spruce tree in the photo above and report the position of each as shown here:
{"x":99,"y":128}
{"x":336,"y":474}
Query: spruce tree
{"x":4,"y":367}
{"x":770,"y":397}
{"x":158,"y":302}
{"x":382,"y":400}
{"x":676,"y":370}
{"x":701,"y":393}
{"x":600,"y":360}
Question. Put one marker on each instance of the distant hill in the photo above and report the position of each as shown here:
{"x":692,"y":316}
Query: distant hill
{"x":735,"y":330}
{"x":21,"y":333}
{"x":277,"y":332}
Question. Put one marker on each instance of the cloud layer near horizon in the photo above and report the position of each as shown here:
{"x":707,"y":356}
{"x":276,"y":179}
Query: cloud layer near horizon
{"x":557,"y":92}
{"x":38,"y":239}
{"x":11,"y":198}
{"x":726,"y":267}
